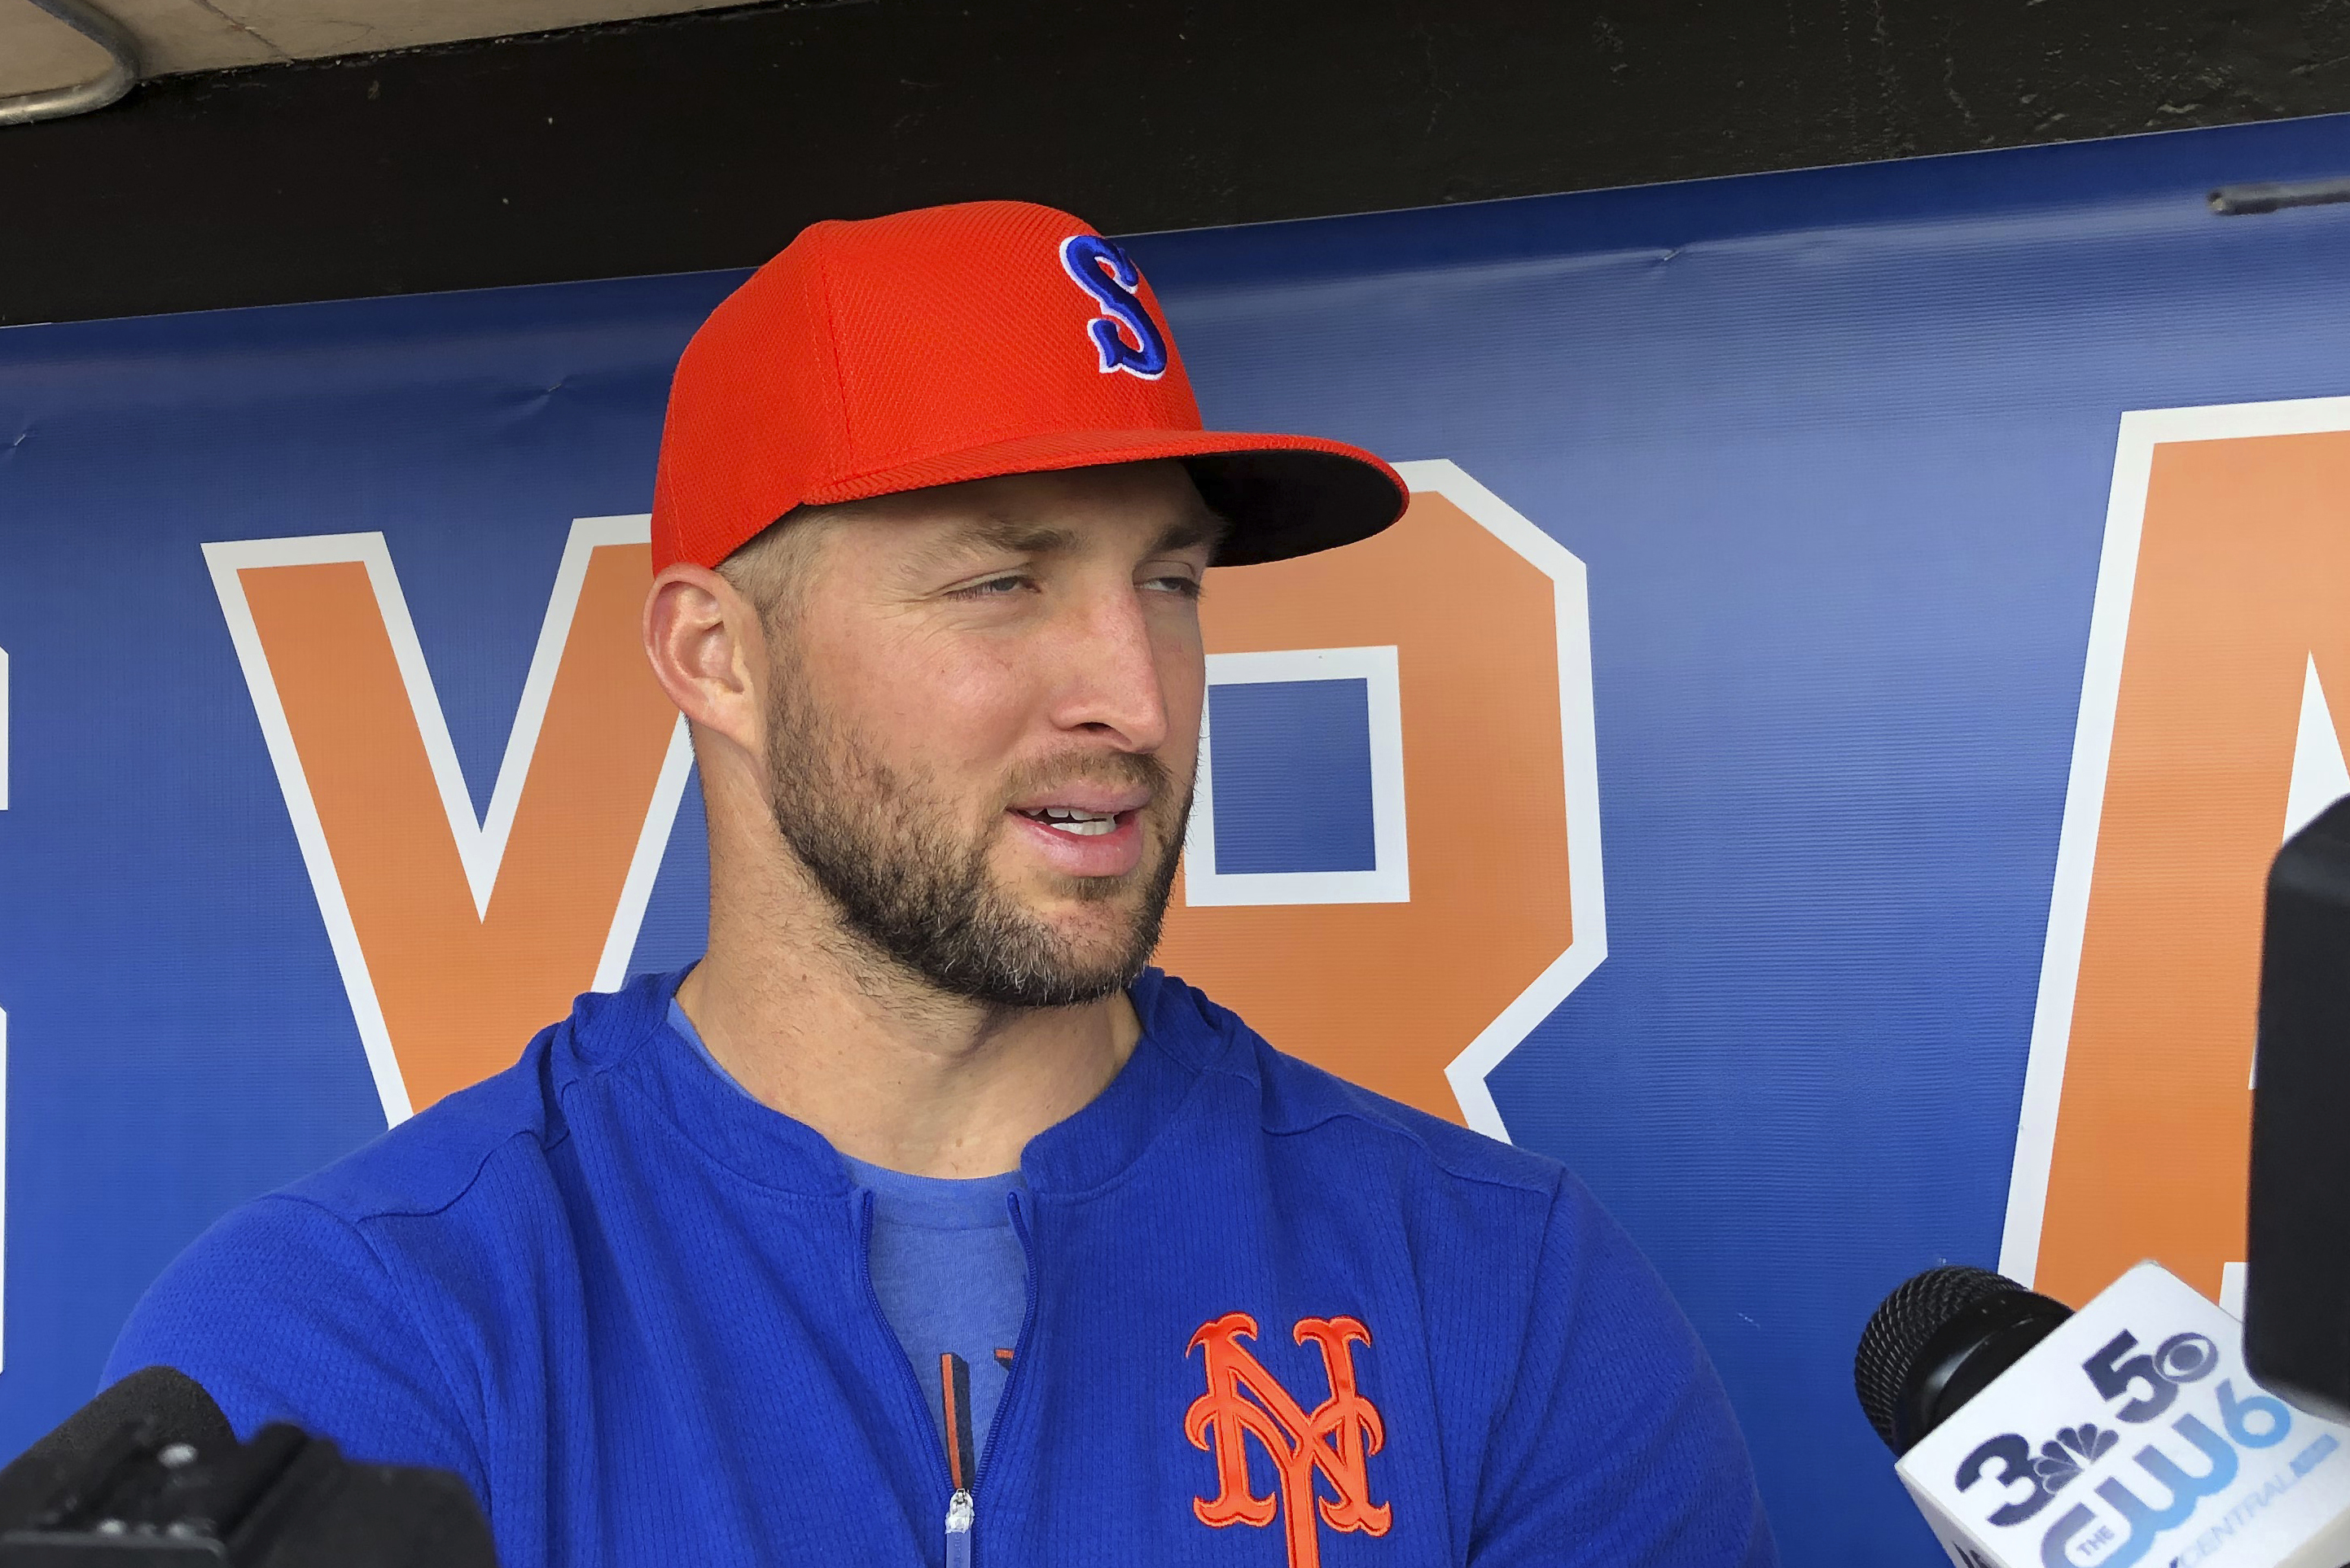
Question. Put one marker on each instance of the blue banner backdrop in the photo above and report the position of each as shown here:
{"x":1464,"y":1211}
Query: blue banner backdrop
{"x":1833,"y":449}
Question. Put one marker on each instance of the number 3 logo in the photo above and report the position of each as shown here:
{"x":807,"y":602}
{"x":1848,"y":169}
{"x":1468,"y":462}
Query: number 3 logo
{"x":1105,"y":271}
{"x":2013,"y":1455}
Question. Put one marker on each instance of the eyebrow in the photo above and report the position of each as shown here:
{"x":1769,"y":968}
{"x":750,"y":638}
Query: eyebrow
{"x":1202,"y":527}
{"x":1021,"y":538}
{"x":1018,"y":537}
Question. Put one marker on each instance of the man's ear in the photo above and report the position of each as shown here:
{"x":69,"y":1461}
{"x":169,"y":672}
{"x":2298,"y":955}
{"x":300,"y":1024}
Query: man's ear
{"x":708,"y":647}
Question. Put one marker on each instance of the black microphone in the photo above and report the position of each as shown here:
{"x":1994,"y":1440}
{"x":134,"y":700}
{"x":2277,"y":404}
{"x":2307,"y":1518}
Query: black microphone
{"x":149,"y":1475}
{"x":165,"y":1405}
{"x":1940,"y":1339}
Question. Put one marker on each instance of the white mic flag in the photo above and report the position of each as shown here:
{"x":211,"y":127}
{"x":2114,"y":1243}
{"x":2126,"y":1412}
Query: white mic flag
{"x":2133,"y":1433}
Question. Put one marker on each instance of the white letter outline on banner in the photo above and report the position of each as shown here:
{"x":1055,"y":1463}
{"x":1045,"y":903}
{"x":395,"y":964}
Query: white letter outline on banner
{"x":1389,"y":879}
{"x":1578,"y":732}
{"x":481,"y":844}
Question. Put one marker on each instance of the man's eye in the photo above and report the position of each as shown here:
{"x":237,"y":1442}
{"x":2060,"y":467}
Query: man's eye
{"x":1178,"y":583}
{"x":994,"y":587}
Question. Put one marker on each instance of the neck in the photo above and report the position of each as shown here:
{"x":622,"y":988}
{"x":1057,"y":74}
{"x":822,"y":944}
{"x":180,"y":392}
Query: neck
{"x":888,"y":1069}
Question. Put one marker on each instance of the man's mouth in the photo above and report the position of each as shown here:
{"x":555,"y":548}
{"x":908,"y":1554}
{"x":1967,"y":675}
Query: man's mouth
{"x":1073,"y":820}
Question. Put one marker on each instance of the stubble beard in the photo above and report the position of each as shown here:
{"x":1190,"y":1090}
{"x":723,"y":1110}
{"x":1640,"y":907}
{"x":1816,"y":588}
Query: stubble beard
{"x":881,"y":844}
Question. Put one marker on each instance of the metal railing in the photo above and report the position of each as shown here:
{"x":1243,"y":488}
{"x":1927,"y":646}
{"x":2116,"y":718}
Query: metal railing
{"x":121,"y":73}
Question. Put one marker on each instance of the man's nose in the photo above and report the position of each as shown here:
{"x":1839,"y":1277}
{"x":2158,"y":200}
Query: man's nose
{"x":1110,"y":674}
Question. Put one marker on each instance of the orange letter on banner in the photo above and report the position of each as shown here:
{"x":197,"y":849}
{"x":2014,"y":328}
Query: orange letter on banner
{"x":1389,"y":994}
{"x":2242,"y":587}
{"x":458,"y":941}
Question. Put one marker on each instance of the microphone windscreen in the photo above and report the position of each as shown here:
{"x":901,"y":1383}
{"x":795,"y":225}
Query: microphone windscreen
{"x":174,"y":1403}
{"x":1938,"y":1341}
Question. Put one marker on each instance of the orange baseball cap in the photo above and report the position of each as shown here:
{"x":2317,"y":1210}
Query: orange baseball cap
{"x":957,"y":343}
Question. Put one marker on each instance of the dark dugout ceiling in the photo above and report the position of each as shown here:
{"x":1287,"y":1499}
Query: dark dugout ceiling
{"x":707,"y":139}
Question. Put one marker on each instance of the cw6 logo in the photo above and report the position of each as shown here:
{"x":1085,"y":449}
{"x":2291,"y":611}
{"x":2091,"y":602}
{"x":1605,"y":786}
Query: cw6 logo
{"x":1393,"y":866}
{"x":2158,"y":1493}
{"x":2143,"y":1387}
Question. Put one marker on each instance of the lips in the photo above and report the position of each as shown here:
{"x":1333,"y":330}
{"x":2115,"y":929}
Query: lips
{"x":1088,"y":840}
{"x":1087,"y":823}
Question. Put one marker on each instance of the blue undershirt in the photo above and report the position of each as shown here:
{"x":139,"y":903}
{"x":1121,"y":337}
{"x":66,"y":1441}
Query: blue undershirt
{"x":952,"y":1279}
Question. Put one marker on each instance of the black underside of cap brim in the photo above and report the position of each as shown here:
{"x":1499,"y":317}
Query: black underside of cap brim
{"x":1282,"y":503}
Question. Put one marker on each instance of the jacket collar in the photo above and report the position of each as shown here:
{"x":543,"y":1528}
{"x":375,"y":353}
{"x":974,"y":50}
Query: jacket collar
{"x":624,"y":1037}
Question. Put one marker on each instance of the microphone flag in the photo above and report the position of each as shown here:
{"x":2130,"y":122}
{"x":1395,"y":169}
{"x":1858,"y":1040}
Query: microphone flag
{"x":2133,"y":1433}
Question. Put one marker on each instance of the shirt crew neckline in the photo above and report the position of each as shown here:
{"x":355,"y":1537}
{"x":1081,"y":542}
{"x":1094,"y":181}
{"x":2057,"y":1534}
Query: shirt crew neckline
{"x":632,"y":1034}
{"x":938,"y":1202}
{"x":900,"y":1198}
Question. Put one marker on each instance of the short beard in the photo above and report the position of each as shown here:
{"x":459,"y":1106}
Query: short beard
{"x":878,"y":845}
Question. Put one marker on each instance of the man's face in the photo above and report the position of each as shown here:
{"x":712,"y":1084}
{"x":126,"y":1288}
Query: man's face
{"x":985,"y":721}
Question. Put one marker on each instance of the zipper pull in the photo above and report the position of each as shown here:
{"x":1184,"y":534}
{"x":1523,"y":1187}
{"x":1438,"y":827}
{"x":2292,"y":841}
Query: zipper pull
{"x":959,"y":1515}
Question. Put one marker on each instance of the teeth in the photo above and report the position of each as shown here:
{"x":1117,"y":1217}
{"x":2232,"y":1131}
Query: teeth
{"x":1072,"y":820}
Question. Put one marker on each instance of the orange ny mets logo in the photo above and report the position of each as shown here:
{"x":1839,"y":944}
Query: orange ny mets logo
{"x":1334,"y":1439}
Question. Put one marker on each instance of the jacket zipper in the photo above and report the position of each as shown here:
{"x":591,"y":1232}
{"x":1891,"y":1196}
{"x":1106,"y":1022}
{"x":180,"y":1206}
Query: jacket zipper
{"x":963,"y":1507}
{"x":959,"y":1518}
{"x":962,"y":1504}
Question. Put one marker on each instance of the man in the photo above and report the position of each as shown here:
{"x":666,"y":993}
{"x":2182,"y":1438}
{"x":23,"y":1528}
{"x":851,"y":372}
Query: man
{"x":920,"y":1222}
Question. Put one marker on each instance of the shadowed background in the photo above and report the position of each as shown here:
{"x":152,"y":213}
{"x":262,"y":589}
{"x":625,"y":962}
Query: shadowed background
{"x":708,"y":140}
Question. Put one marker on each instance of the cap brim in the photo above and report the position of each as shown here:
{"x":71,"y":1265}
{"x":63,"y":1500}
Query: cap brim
{"x":1284,"y":495}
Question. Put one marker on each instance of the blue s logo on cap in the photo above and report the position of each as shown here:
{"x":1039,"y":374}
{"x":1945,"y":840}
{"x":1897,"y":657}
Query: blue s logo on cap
{"x":1104,"y":271}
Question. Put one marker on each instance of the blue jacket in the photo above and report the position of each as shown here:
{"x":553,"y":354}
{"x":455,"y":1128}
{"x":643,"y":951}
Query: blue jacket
{"x":1273,"y":1320}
